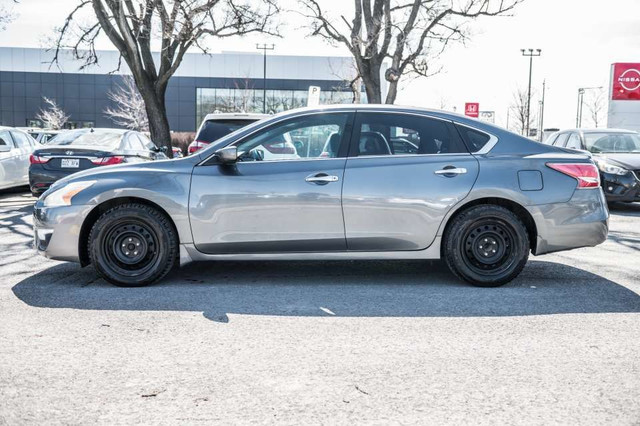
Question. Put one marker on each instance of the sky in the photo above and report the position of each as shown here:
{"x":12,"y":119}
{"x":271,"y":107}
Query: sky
{"x":580,"y":39}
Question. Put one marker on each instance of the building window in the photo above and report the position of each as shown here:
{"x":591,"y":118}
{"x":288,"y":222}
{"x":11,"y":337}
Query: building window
{"x":209,"y":100}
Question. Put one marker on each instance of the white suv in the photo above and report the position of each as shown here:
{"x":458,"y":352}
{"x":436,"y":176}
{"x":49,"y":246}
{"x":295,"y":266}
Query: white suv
{"x":214,"y":126}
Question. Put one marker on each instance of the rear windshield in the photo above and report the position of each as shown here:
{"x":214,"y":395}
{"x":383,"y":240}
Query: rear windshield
{"x":215,"y":129}
{"x":106,"y":140}
{"x":612,"y":142}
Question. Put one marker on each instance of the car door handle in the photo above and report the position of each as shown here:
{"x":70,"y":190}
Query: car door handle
{"x":451,"y":171}
{"x":321,"y":178}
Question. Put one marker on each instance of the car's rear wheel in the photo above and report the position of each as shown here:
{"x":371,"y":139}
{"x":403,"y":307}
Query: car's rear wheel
{"x":132,"y":245}
{"x":486,"y":245}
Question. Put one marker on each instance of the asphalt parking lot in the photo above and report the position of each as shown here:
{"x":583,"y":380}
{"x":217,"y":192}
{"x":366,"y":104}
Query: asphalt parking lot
{"x":321,"y":342}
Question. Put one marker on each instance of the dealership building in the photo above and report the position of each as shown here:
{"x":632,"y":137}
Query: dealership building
{"x":202,"y":84}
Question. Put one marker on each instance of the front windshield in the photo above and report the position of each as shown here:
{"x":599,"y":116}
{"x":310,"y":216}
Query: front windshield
{"x":612,"y":142}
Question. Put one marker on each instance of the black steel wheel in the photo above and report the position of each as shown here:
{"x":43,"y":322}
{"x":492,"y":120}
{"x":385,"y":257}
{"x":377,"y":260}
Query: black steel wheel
{"x":133,"y":245}
{"x":486,"y":245}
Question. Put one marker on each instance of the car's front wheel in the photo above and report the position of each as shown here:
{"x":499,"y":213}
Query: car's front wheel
{"x":132,"y":245}
{"x":486,"y":245}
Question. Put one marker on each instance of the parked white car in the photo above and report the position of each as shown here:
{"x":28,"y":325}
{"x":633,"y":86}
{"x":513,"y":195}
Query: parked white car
{"x":216,"y":125}
{"x":15,"y":148}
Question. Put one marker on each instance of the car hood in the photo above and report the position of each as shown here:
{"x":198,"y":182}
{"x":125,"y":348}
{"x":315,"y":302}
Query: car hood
{"x":630,"y":161}
{"x":106,"y":172}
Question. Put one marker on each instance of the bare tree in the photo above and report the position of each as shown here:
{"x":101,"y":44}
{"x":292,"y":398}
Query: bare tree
{"x":6,"y":13}
{"x":350,"y":78}
{"x":518,"y":109}
{"x":130,"y":111}
{"x":175,"y":25}
{"x":409,"y":33}
{"x":596,"y":104}
{"x":53,"y":117}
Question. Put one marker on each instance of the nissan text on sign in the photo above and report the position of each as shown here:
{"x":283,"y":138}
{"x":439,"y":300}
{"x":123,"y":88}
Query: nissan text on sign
{"x":624,"y":96}
{"x":472,"y":109}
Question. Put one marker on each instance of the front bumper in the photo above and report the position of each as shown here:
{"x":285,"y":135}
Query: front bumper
{"x":583,"y":221}
{"x":624,"y":188}
{"x":57,"y":231}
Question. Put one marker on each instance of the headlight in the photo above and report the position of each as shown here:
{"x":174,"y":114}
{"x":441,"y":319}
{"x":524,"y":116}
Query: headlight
{"x":63,"y":195}
{"x":610,"y":168}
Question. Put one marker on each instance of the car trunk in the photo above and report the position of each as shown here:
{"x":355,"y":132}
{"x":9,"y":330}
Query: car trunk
{"x":71,"y":158}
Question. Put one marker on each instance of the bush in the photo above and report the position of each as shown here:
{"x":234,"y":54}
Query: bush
{"x":182,"y":140}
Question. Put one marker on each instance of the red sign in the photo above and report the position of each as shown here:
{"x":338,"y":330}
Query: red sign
{"x":472,"y":109}
{"x":626,"y":82}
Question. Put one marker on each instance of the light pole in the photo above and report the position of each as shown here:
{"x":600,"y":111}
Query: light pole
{"x":580,"y":103}
{"x":264,"y":48}
{"x":530,"y":53}
{"x":544,"y":89}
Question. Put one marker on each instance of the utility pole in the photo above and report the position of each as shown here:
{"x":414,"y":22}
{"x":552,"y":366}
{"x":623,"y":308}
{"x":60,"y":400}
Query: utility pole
{"x":264,"y":48}
{"x":530,"y":53}
{"x":544,"y":88}
{"x":581,"y":102}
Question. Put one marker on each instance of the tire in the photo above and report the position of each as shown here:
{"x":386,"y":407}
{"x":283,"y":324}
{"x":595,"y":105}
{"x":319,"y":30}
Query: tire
{"x":133,"y":245}
{"x":486,"y":245}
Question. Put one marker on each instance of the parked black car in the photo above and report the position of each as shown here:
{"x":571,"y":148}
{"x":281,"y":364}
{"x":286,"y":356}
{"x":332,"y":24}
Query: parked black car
{"x":85,"y":149}
{"x":617,"y":154}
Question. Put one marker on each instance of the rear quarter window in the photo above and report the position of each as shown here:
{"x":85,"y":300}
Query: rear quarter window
{"x":475,"y":140}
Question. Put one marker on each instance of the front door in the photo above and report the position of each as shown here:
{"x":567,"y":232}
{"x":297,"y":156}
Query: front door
{"x":404,"y":173}
{"x":283,"y":194}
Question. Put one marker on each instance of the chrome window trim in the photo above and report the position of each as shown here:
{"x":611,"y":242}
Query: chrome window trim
{"x":493,"y":140}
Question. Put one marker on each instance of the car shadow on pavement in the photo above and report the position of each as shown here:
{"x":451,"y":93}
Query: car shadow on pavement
{"x":624,"y":209}
{"x":346,"y":289}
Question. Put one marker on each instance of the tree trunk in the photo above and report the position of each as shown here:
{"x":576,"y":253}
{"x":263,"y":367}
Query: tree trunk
{"x":393,"y":92}
{"x":370,"y":74}
{"x":154,"y":102}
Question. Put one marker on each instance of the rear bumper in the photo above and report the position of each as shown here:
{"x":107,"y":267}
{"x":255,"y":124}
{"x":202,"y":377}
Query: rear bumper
{"x":583,"y":221}
{"x":41,"y":179}
{"x":57,"y":231}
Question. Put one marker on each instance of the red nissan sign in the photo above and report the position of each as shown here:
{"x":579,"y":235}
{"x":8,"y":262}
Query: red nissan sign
{"x":626,"y":82}
{"x":472,"y":109}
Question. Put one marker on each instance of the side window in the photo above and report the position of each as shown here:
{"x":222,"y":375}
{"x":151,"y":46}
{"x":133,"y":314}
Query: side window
{"x":561,"y":141}
{"x":21,"y":140}
{"x":475,"y":139}
{"x":574,"y":141}
{"x":306,"y":137}
{"x":402,"y":134}
{"x":5,"y":138}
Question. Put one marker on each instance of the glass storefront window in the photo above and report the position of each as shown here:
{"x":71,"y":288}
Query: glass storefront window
{"x":209,"y":100}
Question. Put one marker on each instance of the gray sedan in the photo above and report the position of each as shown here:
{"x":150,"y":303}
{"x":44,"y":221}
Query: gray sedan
{"x":341,"y":182}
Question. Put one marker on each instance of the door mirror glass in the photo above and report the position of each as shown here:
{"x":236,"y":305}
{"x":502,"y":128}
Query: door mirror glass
{"x":227,"y":155}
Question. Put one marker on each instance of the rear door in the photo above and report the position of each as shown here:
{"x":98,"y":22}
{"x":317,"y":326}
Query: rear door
{"x":403,"y":175}
{"x":24,"y":147}
{"x":8,"y":163}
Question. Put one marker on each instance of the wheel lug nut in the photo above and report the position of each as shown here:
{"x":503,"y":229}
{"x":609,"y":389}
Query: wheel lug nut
{"x":135,"y":253}
{"x":127,"y":253}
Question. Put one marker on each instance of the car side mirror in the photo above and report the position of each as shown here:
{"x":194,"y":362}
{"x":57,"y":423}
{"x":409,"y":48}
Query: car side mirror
{"x":5,"y":148}
{"x":227,"y":155}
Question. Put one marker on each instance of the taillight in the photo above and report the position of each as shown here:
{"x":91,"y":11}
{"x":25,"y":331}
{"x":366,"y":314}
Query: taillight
{"x":34,"y":159}
{"x":196,"y":145}
{"x":108,"y":161}
{"x":586,"y":174}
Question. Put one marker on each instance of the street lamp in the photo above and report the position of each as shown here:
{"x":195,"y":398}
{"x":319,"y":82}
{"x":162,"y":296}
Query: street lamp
{"x":264,"y":48}
{"x":530,"y":53}
{"x":580,"y":102}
